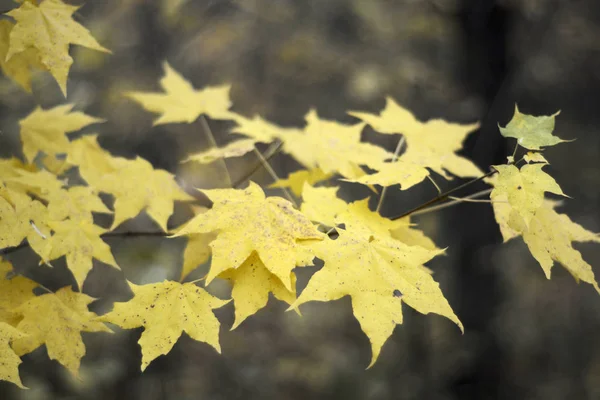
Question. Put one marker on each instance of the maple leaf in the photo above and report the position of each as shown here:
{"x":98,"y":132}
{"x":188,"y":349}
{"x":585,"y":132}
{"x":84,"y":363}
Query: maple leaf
{"x":233,"y":149}
{"x":393,"y":119}
{"x":181,"y":102}
{"x":197,"y":252}
{"x":137,"y":186}
{"x":19,"y":66}
{"x":13,"y":293}
{"x":430,"y":144}
{"x":246,"y":221}
{"x":197,"y":248}
{"x":75,"y":202}
{"x":57,"y":320}
{"x":165,"y":310}
{"x":9,"y":361}
{"x":252,"y":283}
{"x":295,"y":180}
{"x":259,"y":129}
{"x":523,"y":188}
{"x":400,"y":172}
{"x":49,"y":29}
{"x":42,"y":181}
{"x":92,"y":160}
{"x":530,"y":131}
{"x":378,"y":273}
{"x":323,"y":205}
{"x":45,"y":130}
{"x":55,"y":164}
{"x":11,"y":168}
{"x":332,"y":147}
{"x":20,"y":218}
{"x":534,"y":157}
{"x":549,"y":237}
{"x":502,"y":211}
{"x":80,"y":242}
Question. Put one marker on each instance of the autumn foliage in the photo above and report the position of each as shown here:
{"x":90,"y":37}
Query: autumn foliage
{"x":253,"y":241}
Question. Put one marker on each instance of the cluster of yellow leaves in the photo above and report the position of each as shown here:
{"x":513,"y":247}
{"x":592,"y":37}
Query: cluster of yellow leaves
{"x":40,"y":38}
{"x":252,"y":240}
{"x":521,"y":209}
{"x":40,"y":204}
{"x":27,"y":322}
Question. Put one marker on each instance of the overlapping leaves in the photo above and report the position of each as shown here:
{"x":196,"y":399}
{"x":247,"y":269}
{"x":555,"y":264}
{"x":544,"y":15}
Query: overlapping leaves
{"x":253,"y":241}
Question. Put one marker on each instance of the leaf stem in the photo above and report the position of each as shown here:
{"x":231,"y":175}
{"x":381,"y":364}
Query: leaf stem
{"x":444,"y":196}
{"x":273,"y":174}
{"x":213,"y":143}
{"x":453,"y":202}
{"x":394,"y":158}
{"x":268,"y":154}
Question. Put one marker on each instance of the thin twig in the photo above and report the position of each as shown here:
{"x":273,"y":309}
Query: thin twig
{"x":269,"y":153}
{"x":439,"y":190}
{"x":213,"y":143}
{"x":451,"y":203}
{"x":134,"y":234}
{"x":515,"y":150}
{"x":394,"y":158}
{"x":445,"y":195}
{"x":107,"y":235}
{"x":273,"y":174}
{"x":469,"y":200}
{"x":197,"y":280}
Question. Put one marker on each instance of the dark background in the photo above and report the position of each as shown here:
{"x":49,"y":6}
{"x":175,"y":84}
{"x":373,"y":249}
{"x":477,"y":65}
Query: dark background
{"x":470,"y":60}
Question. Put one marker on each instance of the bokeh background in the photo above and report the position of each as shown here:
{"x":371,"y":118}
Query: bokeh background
{"x":462,"y":60}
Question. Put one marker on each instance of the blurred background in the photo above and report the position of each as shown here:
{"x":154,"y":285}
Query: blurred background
{"x":462,"y":60}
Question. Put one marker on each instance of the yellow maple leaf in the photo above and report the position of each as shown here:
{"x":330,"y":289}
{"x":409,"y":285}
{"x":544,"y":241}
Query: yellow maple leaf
{"x":393,"y":119}
{"x":252,"y":283}
{"x":49,"y":29}
{"x":80,"y":242}
{"x":323,"y":205}
{"x":534,"y":157}
{"x":399,"y":172}
{"x":549,"y":237}
{"x":41,"y":181}
{"x":246,"y":221}
{"x":332,"y":147}
{"x":75,"y":202}
{"x":20,"y":218}
{"x":57,"y":320}
{"x":9,"y":361}
{"x":13,"y":292}
{"x":295,"y":180}
{"x":432,"y":144}
{"x":137,"y":186}
{"x":166,"y":310}
{"x":378,"y":273}
{"x":11,"y":168}
{"x":56,"y":165}
{"x":45,"y":130}
{"x":233,"y":149}
{"x":530,"y":131}
{"x":181,"y":102}
{"x":92,"y":160}
{"x":502,"y":211}
{"x":405,"y":232}
{"x":19,"y":66}
{"x":523,"y":188}
{"x":197,"y":252}
{"x":259,"y":129}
